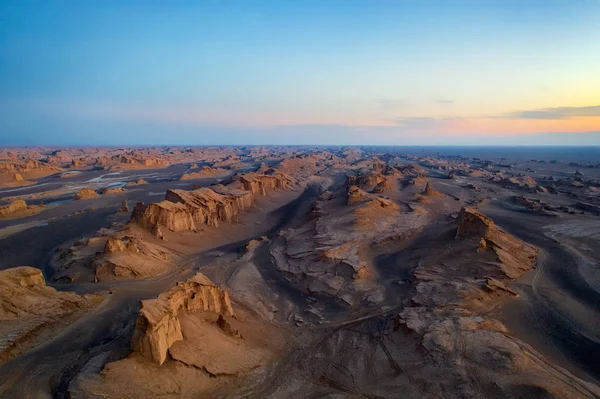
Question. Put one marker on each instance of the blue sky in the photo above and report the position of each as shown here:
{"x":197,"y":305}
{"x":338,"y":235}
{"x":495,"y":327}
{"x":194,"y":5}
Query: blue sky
{"x":299,"y":72}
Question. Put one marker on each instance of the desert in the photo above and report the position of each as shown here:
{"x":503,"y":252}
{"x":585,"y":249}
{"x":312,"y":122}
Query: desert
{"x":299,"y":199}
{"x":304,"y":272}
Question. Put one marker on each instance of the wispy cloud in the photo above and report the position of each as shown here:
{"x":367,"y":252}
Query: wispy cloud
{"x":387,"y":104}
{"x":555,"y":113}
{"x":424,"y":122}
{"x":447,"y":102}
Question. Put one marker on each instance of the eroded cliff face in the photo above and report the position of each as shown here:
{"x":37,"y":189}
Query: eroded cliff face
{"x":186,"y":210}
{"x":17,"y":173}
{"x":12,"y":208}
{"x":444,"y":311}
{"x":515,"y":257}
{"x":112,"y":254}
{"x":158,"y":326}
{"x":28,"y":307}
{"x":260,"y":183}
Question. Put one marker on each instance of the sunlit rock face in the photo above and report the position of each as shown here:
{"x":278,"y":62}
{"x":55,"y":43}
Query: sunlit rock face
{"x":158,"y":324}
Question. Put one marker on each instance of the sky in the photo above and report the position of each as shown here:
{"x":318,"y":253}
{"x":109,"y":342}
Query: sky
{"x":300,"y":72}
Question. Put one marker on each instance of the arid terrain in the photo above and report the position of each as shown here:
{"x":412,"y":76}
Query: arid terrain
{"x":299,"y":272}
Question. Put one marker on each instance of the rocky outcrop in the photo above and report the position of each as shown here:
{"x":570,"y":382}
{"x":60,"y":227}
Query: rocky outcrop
{"x":367,"y":180}
{"x":355,"y":194}
{"x":136,"y":183}
{"x":23,"y":292}
{"x":121,"y":245}
{"x":113,"y":190}
{"x":594,"y":209}
{"x":260,"y":183}
{"x":203,"y":173}
{"x":432,"y":192}
{"x":86,"y":193}
{"x":19,"y":173}
{"x":112,"y":254}
{"x":515,"y":257}
{"x":535,"y":205}
{"x":13,"y":208}
{"x":28,"y":166}
{"x":186,"y":210}
{"x":158,"y":326}
{"x":124,"y":206}
{"x":28,"y":307}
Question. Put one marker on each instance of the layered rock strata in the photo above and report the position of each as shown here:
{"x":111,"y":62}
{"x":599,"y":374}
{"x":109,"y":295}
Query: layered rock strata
{"x":186,"y":210}
{"x":12,"y":208}
{"x":158,"y":325}
{"x":28,"y":306}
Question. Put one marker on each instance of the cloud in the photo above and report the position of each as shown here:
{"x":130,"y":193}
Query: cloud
{"x":447,"y":102}
{"x":555,"y":113}
{"x":424,"y":122}
{"x":387,"y":104}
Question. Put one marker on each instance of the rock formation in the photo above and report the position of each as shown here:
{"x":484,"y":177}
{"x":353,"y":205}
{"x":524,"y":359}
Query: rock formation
{"x":158,"y":325}
{"x":113,"y":190}
{"x":124,"y":206}
{"x":112,"y":254}
{"x":120,"y":245}
{"x":28,"y":306}
{"x":515,"y":256}
{"x":138,"y":182}
{"x":432,"y":192}
{"x":260,"y":183}
{"x":86,"y":193}
{"x":13,"y":208}
{"x":186,"y":210}
{"x":593,"y":209}
{"x":19,"y":208}
{"x":355,"y":194}
{"x":203,"y":173}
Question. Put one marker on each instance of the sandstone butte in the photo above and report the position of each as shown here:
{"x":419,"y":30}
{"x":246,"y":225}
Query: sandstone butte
{"x":186,"y":210}
{"x":515,"y":256}
{"x":12,"y":208}
{"x":259,"y":183}
{"x":86,"y":193}
{"x":158,"y":326}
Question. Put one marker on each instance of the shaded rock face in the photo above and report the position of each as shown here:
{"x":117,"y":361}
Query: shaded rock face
{"x":355,"y":194}
{"x":594,"y":209}
{"x":535,"y":205}
{"x":158,"y":326}
{"x":186,"y":210}
{"x":86,"y":193}
{"x":368,"y":180}
{"x":432,"y":192}
{"x":12,"y":208}
{"x":515,"y":256}
{"x":260,"y":183}
{"x":124,"y":206}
